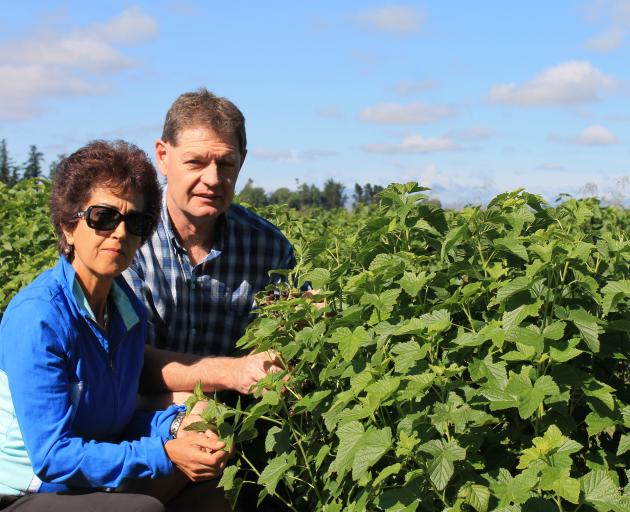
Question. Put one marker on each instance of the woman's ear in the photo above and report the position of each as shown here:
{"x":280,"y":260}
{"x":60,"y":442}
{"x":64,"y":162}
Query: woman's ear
{"x":69,"y":235}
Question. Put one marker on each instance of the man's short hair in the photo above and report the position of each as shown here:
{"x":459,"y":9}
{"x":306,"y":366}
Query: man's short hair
{"x":204,"y":109}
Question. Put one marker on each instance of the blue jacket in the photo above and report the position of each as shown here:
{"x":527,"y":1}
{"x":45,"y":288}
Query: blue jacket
{"x":68,"y":391}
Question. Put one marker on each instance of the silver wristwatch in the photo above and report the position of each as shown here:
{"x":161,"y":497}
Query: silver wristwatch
{"x":177,"y":421}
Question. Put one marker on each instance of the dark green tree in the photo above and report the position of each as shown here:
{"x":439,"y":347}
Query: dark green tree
{"x":252,"y":195}
{"x":6,"y":171}
{"x":280,"y":196}
{"x":333,"y":195}
{"x":32,"y":168}
{"x":52,"y":168}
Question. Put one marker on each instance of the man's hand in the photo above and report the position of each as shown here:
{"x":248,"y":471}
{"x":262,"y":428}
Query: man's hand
{"x":197,"y":456}
{"x":247,"y":370}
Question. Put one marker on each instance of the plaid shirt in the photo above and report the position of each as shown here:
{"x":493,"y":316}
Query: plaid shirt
{"x":204,"y":309}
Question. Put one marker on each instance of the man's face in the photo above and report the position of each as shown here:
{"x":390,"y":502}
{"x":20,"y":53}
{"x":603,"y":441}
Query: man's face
{"x":201,"y":170}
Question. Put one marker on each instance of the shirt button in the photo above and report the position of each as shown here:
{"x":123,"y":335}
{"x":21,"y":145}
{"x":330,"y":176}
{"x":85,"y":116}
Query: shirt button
{"x":193,"y":331}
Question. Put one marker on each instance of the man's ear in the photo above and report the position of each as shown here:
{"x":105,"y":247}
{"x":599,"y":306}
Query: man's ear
{"x":161,"y":156}
{"x":243,"y":159}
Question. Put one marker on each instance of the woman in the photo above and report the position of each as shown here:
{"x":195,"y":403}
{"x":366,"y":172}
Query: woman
{"x":71,"y":352}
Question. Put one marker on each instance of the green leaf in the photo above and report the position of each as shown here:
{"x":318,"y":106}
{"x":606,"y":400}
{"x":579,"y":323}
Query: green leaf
{"x":511,"y":245}
{"x":526,"y":337}
{"x":596,"y":423}
{"x":451,"y":238}
{"x":513,"y":490}
{"x":600,"y":490}
{"x":388,"y":471}
{"x":310,"y":401}
{"x":374,"y":444}
{"x":350,"y":341}
{"x":437,"y":321}
{"x":278,"y":439}
{"x":624,"y":444}
{"x":275,"y":470}
{"x":408,"y":354}
{"x":413,"y":283}
{"x":554,"y":331}
{"x":516,"y":316}
{"x":321,"y":455}
{"x":508,"y":289}
{"x":350,"y":435}
{"x":478,"y":497}
{"x":563,"y":351}
{"x":318,"y":277}
{"x":227,"y":478}
{"x":444,"y":453}
{"x":588,"y":326}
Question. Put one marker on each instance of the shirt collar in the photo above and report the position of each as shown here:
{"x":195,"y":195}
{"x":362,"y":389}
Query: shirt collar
{"x":120,"y":299}
{"x":219,"y":240}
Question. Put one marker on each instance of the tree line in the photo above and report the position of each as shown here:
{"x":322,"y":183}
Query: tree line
{"x":331,"y":196}
{"x":33,"y":167}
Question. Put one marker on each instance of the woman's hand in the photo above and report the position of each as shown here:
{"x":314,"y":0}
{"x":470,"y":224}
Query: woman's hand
{"x":200,"y":457}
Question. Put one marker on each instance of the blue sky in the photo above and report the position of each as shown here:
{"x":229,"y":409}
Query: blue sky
{"x":468,"y":98}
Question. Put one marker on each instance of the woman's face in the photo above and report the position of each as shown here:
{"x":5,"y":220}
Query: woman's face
{"x":102,"y":254}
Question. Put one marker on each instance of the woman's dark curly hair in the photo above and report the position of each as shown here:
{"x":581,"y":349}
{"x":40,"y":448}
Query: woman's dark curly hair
{"x":118,"y":166}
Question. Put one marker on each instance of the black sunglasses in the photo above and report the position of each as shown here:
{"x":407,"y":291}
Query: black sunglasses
{"x":106,"y":218}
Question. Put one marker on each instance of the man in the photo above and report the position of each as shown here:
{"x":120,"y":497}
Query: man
{"x":199,"y":272}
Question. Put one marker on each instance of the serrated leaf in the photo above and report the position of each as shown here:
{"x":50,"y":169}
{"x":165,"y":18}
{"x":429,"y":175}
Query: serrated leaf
{"x":227,"y":478}
{"x":588,"y":327}
{"x":451,"y":238}
{"x":386,"y":473}
{"x":274,"y":470}
{"x":321,"y":455}
{"x":515,"y":490}
{"x":441,"y":468}
{"x":554,"y":331}
{"x":596,"y":423}
{"x":407,"y":354}
{"x":349,"y":435}
{"x":600,"y":490}
{"x":199,"y":426}
{"x":374,"y":444}
{"x":318,"y":277}
{"x":563,"y":351}
{"x":478,"y":497}
{"x":526,"y":337}
{"x":512,"y":245}
{"x":516,"y":285}
{"x":412,"y":283}
{"x":437,"y":321}
{"x":624,"y":444}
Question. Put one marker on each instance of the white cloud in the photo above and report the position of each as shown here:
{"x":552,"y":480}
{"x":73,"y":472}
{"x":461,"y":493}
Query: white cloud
{"x":607,"y":41}
{"x":22,"y":88}
{"x":410,"y":88}
{"x":288,"y":156}
{"x":413,"y":144}
{"x":51,"y":64}
{"x":397,"y":19}
{"x":274,"y":155}
{"x":615,"y":16}
{"x":330,"y":112}
{"x":569,"y":83}
{"x":550,"y":166}
{"x":595,"y":135}
{"x":129,"y":27}
{"x":474,"y":133}
{"x":414,"y":113}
